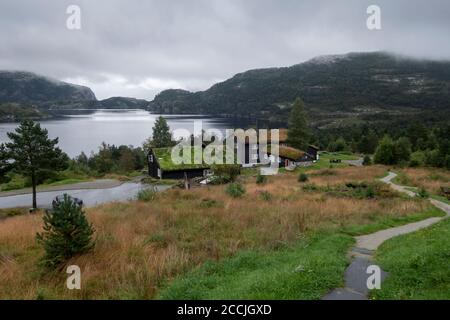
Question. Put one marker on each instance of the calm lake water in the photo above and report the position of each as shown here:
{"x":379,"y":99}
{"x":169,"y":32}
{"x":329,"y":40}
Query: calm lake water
{"x":85,"y":131}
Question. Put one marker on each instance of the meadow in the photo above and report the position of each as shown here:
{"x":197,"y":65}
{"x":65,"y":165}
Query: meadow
{"x":282,"y":239}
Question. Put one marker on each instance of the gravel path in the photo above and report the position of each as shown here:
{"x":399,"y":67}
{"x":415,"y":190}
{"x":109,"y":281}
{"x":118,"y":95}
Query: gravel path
{"x":355,"y":163}
{"x":362,"y":255}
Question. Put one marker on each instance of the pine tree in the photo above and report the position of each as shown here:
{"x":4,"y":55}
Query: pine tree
{"x":161,"y":137}
{"x":33,"y":154}
{"x":298,"y":133}
{"x":4,"y":164}
{"x":402,"y":150}
{"x":66,"y":231}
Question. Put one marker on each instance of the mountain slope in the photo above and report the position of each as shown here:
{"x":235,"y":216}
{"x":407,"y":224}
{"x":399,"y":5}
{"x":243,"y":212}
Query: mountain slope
{"x":27,"y":87}
{"x":342,"y":83}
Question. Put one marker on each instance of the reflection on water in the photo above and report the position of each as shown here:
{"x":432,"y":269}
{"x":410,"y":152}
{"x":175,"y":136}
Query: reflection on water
{"x":85,"y":130}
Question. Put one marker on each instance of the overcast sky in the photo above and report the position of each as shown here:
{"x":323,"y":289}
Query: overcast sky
{"x":138,"y":48}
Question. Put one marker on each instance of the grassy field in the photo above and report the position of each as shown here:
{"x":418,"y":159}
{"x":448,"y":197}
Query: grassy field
{"x":324,"y":161}
{"x":144,"y":247}
{"x":301,"y":271}
{"x":431,"y":179}
{"x":418,"y":264}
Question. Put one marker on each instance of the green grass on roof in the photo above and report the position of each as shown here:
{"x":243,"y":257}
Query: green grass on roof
{"x":164,"y":158}
{"x":288,"y":152}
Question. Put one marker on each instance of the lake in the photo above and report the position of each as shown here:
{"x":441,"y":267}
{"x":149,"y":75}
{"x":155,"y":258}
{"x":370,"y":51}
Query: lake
{"x":84,"y":131}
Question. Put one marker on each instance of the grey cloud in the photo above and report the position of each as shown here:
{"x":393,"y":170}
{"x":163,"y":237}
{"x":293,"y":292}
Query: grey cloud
{"x":138,"y":48}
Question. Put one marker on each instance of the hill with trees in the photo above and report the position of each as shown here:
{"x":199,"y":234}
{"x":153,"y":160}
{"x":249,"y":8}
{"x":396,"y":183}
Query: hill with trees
{"x":354,"y":83}
{"x":27,"y":87}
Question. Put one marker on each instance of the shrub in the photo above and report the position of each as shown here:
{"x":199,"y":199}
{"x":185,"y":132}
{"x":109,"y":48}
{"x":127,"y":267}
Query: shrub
{"x":423,"y":193}
{"x":226,"y":172}
{"x":367,"y":160}
{"x":417,"y":159}
{"x":310,"y":187}
{"x":216,"y":180}
{"x":66,"y":231}
{"x":369,"y":192}
{"x":266,"y":196}
{"x":147,"y":194}
{"x":260,"y":179}
{"x":303,"y":177}
{"x":209,"y":203}
{"x":235,"y":190}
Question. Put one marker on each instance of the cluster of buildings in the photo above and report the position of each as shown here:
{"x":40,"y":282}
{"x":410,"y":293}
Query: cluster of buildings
{"x":161,"y":166}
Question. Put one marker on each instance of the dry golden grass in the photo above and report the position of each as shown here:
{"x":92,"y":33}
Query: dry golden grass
{"x":432,"y":179}
{"x":141,"y":245}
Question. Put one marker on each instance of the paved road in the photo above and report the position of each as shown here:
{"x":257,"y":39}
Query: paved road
{"x":95,"y":184}
{"x":90,"y":197}
{"x":355,"y":163}
{"x":362,"y":255}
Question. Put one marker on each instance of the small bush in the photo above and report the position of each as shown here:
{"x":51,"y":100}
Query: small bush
{"x":367,"y":161}
{"x":147,"y":194}
{"x":417,"y":159}
{"x":303,"y":177}
{"x":66,"y":231}
{"x":310,"y":187}
{"x":225,"y":173}
{"x":369,"y":192}
{"x":260,"y":179}
{"x":363,"y":190}
{"x":157,"y":239}
{"x":217,"y":180}
{"x":235,"y":190}
{"x":209,"y":203}
{"x":266,"y":196}
{"x":423,"y":193}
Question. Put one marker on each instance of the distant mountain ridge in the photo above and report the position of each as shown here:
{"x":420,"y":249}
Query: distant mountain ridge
{"x":334,"y":87}
{"x":337,"y":83}
{"x":28,"y":87}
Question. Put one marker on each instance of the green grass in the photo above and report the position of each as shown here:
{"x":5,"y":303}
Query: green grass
{"x":440,"y":198}
{"x":320,"y":261}
{"x":385,"y":223}
{"x":306,"y":270}
{"x":403,"y":180}
{"x":324,"y":161}
{"x":7,"y":213}
{"x":418,"y":263}
{"x":64,"y":182}
{"x":164,"y":158}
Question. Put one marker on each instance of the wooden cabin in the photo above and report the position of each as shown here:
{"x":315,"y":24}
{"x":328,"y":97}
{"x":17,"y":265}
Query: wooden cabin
{"x":282,"y":140}
{"x":161,"y":166}
{"x":291,"y":157}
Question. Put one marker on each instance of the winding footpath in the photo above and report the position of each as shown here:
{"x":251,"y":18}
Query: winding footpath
{"x":362,"y":255}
